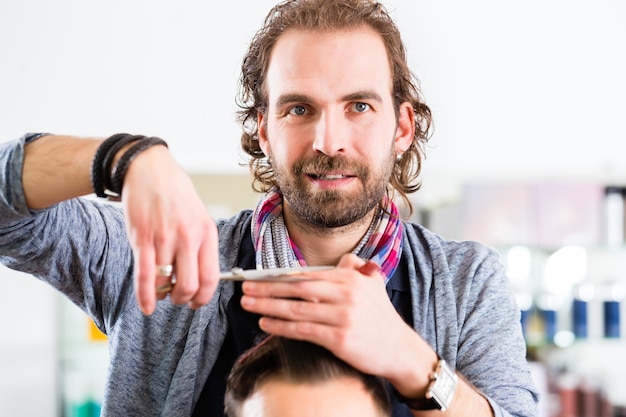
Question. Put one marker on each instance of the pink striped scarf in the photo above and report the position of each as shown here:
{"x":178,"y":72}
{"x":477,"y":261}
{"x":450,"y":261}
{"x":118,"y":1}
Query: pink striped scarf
{"x":381,"y":244}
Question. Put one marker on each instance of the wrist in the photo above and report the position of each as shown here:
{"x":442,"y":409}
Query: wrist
{"x":411,"y":376}
{"x":112,"y":159}
{"x":439,"y":393}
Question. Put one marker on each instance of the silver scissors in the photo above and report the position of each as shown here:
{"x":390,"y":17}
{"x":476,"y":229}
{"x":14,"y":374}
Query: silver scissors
{"x":275,"y":274}
{"x":272,"y":274}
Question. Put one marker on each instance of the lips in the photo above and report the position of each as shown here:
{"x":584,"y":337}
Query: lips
{"x":329,"y":169}
{"x":328,"y":177}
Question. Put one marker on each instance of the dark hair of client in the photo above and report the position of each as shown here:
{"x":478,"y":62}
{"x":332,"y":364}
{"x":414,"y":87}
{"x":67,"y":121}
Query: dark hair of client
{"x":297,"y":362}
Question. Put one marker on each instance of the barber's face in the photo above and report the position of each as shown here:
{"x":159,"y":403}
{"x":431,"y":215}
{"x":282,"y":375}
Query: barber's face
{"x":331,"y":130}
{"x":339,"y":398}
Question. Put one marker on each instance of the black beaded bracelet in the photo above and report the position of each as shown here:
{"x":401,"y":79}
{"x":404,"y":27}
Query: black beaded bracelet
{"x":97,"y":172}
{"x":119,"y":172}
{"x":107,"y":162}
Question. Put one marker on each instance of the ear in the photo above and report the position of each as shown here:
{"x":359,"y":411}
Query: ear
{"x":406,"y":127}
{"x":263,"y":143}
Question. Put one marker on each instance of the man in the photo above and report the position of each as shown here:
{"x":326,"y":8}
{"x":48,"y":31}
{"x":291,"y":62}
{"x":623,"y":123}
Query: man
{"x":284,"y":377}
{"x":334,"y":125}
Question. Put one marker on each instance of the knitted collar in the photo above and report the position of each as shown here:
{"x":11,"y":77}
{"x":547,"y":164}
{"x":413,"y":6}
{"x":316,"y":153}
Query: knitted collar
{"x":274,"y":248}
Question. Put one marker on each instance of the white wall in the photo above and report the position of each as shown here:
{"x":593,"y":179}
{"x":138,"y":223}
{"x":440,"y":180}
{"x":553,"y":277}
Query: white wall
{"x":517,"y":88}
{"x":155,"y":67}
{"x":524,"y":89}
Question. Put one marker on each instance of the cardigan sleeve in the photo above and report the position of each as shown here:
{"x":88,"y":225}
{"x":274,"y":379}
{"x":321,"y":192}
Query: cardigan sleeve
{"x":78,"y":246}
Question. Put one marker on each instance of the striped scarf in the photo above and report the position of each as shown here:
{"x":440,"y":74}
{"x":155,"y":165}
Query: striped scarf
{"x":381,"y":244}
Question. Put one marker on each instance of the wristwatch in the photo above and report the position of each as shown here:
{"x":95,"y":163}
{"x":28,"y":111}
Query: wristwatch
{"x":440,"y":391}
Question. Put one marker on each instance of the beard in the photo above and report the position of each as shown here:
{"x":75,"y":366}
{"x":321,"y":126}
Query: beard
{"x":333,"y":208}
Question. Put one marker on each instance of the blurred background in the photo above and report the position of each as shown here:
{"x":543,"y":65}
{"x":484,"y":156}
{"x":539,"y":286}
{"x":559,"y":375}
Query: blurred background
{"x":528,"y":102}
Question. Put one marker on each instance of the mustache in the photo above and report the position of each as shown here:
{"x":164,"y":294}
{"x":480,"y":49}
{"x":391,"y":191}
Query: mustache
{"x":321,"y":164}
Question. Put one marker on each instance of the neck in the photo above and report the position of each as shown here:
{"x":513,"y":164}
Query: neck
{"x":325,"y":246}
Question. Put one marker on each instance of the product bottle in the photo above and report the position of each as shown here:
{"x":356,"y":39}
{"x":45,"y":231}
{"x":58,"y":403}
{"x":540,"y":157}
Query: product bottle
{"x":613,"y":293}
{"x":582,"y":295}
{"x":549,"y":305}
{"x":613,"y":216}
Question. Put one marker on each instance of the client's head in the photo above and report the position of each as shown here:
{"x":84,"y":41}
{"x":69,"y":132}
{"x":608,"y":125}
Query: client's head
{"x":286,"y":378}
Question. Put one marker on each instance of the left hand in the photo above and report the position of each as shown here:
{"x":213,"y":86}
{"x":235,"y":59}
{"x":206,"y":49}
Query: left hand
{"x":346,"y":310}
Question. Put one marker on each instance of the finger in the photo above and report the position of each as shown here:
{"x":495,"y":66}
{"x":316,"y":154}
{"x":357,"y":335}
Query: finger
{"x":318,"y":333}
{"x":369,"y":268}
{"x":324,"y":286}
{"x":208,"y":270}
{"x":186,"y":274}
{"x":165,"y":269}
{"x":295,"y":310}
{"x":350,"y":261}
{"x":318,"y":290}
{"x":164,"y":279}
{"x":145,"y":278}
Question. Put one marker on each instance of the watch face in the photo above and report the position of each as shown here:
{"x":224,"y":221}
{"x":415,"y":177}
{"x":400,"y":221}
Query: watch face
{"x":443,"y":386}
{"x":440,"y":391}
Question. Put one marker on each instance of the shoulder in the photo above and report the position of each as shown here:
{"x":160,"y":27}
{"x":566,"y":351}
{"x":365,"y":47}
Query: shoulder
{"x":463,"y":268}
{"x":453,"y":253}
{"x":231,"y":233}
{"x":234,"y":225}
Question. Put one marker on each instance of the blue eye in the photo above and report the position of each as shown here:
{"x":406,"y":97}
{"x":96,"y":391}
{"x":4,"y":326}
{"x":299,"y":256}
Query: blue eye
{"x":297,"y":110}
{"x":361,"y":107}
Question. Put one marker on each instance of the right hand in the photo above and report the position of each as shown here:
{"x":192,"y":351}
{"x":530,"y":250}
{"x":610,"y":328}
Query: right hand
{"x":167,"y":223}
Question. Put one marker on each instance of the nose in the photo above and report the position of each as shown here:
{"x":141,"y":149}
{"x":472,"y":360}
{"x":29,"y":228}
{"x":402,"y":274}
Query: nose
{"x":331,"y":133}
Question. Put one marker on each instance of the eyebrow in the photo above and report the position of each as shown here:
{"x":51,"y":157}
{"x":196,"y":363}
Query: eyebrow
{"x":303,"y":98}
{"x":292,"y":98}
{"x":363,"y":95}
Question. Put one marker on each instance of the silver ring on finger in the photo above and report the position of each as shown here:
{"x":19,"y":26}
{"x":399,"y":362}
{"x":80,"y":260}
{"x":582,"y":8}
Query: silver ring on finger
{"x":165,"y":270}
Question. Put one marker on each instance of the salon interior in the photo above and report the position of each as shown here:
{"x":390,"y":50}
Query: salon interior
{"x":526,"y":156}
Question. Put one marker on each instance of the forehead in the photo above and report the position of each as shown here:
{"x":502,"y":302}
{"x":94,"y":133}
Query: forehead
{"x":337,"y":398}
{"x":332,"y":63}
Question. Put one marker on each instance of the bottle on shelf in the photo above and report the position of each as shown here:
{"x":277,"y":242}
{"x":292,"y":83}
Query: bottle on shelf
{"x":613,"y":293}
{"x":548,"y":306}
{"x":583,"y":294}
{"x":613,"y":216}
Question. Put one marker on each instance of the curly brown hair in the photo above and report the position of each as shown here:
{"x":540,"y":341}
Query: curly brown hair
{"x":329,"y":15}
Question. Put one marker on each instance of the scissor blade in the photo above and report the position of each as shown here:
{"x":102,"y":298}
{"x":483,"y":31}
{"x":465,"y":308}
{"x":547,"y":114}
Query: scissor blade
{"x":276,"y":274}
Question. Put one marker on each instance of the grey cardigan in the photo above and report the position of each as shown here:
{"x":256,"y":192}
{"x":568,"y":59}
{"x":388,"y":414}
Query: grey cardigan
{"x":461,"y":302}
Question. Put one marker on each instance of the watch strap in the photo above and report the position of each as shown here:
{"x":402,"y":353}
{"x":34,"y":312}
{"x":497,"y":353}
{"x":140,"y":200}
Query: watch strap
{"x":440,"y":391}
{"x":419,"y":404}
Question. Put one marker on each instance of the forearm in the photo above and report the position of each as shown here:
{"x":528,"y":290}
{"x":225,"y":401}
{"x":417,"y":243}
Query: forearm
{"x":412,"y":379}
{"x":489,"y":353}
{"x":57,"y":168}
{"x":467,"y":402}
